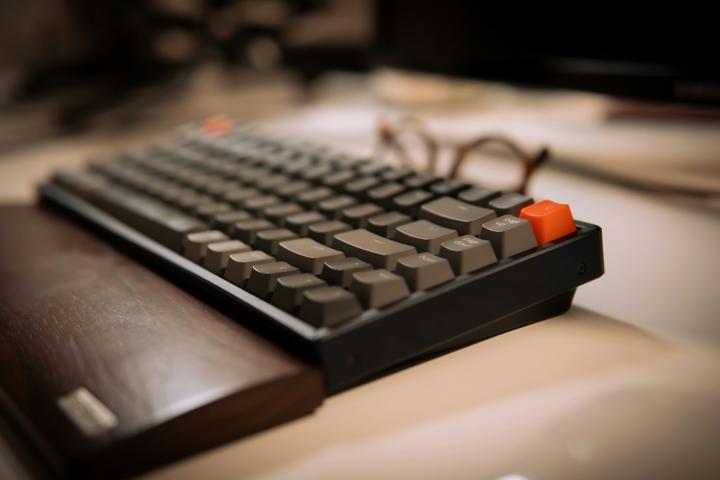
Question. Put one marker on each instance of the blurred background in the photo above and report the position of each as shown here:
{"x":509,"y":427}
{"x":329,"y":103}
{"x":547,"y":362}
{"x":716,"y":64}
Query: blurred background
{"x":71,"y":66}
{"x":628,"y":106}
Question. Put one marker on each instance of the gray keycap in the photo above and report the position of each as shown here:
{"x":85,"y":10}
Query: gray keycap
{"x":509,"y":235}
{"x":374,"y":249}
{"x":333,"y":206}
{"x":468,"y":253}
{"x":252,"y":175}
{"x":240,"y":265}
{"x":290,"y":190}
{"x":324,"y":232}
{"x":224,"y":221}
{"x":217,"y":188}
{"x":269,"y":240}
{"x":340,"y":271}
{"x":240,"y":194}
{"x":424,"y":270}
{"x":358,"y":215}
{"x":170,"y":194}
{"x":448,"y":187}
{"x":478,"y":195}
{"x":357,"y":187}
{"x":316,"y":172}
{"x":335,"y":179}
{"x":161,"y":190}
{"x":272,"y":181}
{"x":217,"y":254}
{"x":289,"y":290}
{"x":410,"y":202}
{"x":384,"y":194}
{"x":373,"y":168}
{"x":328,"y":306}
{"x":300,"y":222}
{"x":255,"y":205}
{"x":423,"y":235}
{"x":195,"y":244}
{"x":207,"y":211}
{"x":247,"y":230}
{"x":386,"y":223}
{"x":510,"y":203}
{"x":421,"y":180}
{"x":378,"y":288}
{"x":397,"y":174}
{"x":348,"y":161}
{"x":457,"y":215}
{"x":279,"y":212}
{"x":307,"y":254}
{"x":310,"y":198}
{"x":298,"y":166}
{"x":263,"y":277}
{"x":199,"y":181}
{"x":189,"y":200}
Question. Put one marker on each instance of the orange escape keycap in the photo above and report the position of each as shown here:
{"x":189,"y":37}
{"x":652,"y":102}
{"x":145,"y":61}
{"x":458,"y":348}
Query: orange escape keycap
{"x":549,"y":220}
{"x":218,"y":125}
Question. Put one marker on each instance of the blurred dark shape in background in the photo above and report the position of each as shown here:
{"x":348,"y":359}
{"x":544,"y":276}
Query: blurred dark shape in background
{"x":660,"y":53}
{"x":86,"y":57}
{"x":91,"y":55}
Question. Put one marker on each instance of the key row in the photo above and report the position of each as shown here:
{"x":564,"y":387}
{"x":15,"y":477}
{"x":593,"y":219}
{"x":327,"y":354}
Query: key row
{"x":308,"y":264}
{"x":445,"y":211}
{"x":264,"y":151}
{"x":377,"y":243}
{"x":406,"y":197}
{"x":446,"y":217}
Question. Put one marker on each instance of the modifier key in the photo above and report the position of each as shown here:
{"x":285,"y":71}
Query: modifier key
{"x":269,"y":240}
{"x":289,"y":290}
{"x":300,"y":222}
{"x":195,"y":244}
{"x":325,"y":231}
{"x":225,"y":220}
{"x":424,"y":235}
{"x":424,"y":270}
{"x":478,"y":195}
{"x":379,"y":251}
{"x":307,"y":254}
{"x":247,"y":230}
{"x":240,"y":265}
{"x":340,"y":271}
{"x":386,"y":223}
{"x":378,"y":288}
{"x":263,"y":277}
{"x":217,"y":254}
{"x":510,"y":203}
{"x":509,"y":235}
{"x":468,"y":253}
{"x":328,"y":306}
{"x":460,"y":216}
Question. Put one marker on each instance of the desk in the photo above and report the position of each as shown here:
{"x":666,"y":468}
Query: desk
{"x":624,"y":385}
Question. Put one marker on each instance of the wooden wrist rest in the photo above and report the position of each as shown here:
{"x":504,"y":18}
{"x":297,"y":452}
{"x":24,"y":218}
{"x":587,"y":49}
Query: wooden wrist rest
{"x":109,"y":369}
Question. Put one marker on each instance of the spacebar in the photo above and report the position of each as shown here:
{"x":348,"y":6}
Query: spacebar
{"x":152,"y":218}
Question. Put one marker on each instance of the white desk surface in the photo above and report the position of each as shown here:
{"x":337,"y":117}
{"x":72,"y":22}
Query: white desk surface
{"x":625,"y":385}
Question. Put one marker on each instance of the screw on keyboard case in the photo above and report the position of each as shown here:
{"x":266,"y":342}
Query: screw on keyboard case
{"x":178,"y":375}
{"x":507,"y":295}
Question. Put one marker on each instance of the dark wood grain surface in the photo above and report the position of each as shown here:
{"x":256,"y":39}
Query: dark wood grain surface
{"x":178,"y":375}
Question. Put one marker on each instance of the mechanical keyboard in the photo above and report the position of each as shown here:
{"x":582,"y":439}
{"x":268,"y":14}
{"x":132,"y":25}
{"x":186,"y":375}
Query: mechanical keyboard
{"x":358,"y":265}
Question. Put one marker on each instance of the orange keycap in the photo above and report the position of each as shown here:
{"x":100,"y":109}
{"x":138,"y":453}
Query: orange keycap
{"x":549,"y":220}
{"x":218,"y":125}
